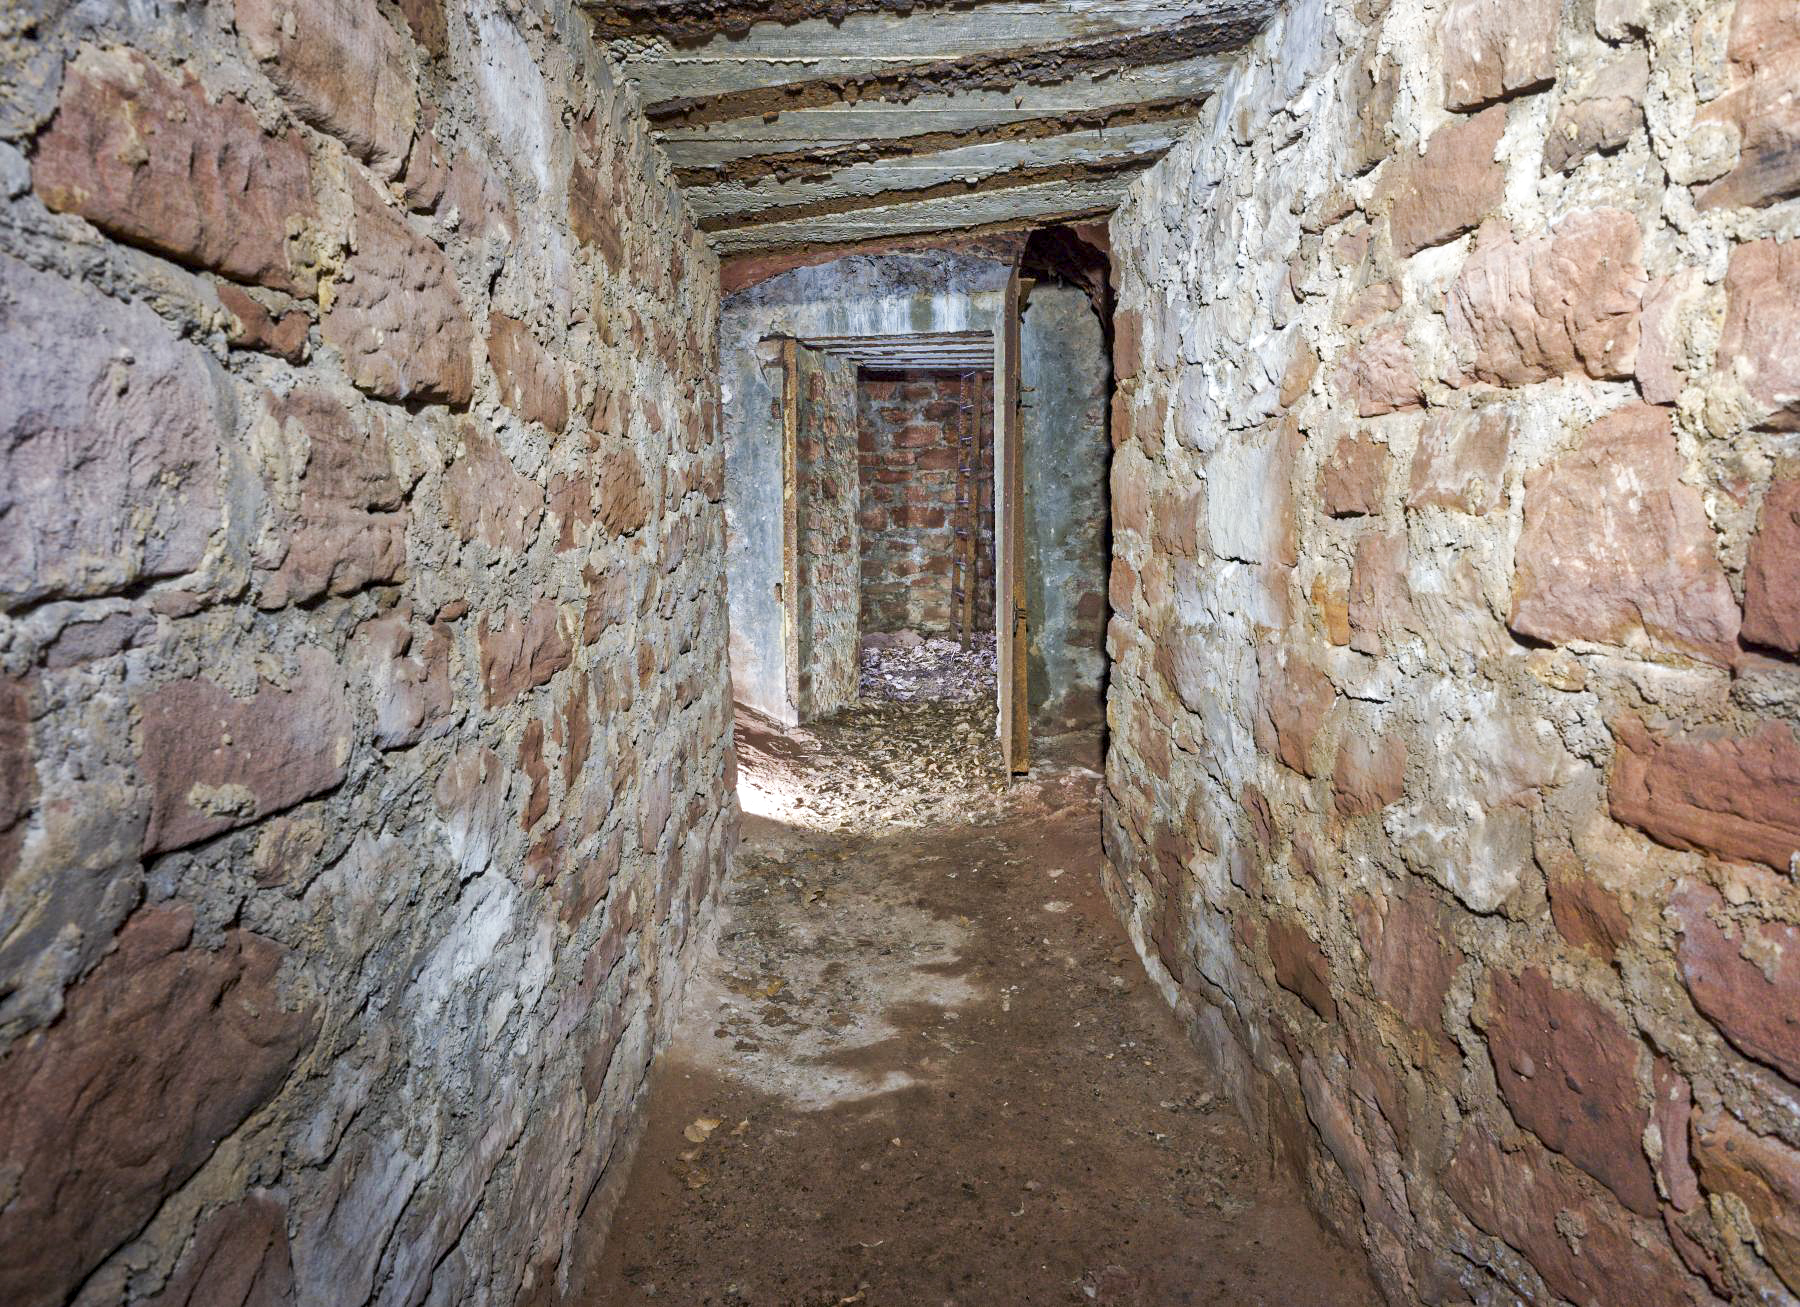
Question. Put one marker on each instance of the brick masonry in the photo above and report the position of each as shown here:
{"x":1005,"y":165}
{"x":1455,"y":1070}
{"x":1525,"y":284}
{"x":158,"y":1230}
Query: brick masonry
{"x":908,"y":455}
{"x":1454,"y":700}
{"x":364,"y":763}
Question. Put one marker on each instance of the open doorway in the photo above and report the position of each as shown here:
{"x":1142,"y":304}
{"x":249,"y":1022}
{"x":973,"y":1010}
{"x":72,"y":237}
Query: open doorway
{"x":925,"y":454}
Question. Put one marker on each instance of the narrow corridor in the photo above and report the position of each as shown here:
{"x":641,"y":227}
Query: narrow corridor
{"x":923,"y":1065}
{"x":904,"y":652}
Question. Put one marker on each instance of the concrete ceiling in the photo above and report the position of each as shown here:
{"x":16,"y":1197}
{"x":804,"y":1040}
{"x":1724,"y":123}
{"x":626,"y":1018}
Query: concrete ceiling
{"x":794,"y":124}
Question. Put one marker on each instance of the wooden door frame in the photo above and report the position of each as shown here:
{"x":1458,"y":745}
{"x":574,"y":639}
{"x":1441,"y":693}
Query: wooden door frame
{"x":790,"y":525}
{"x":1011,"y":630}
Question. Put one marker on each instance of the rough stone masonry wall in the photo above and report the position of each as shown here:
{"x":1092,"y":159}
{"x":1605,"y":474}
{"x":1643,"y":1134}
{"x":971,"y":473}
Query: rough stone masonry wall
{"x":363,"y":729}
{"x":1455,"y":788}
{"x":827,"y":559}
{"x":908,"y":427}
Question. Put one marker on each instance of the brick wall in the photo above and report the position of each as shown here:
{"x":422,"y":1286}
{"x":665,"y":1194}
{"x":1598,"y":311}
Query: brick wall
{"x":1452,"y":795}
{"x":363,"y":729}
{"x":907,"y":443}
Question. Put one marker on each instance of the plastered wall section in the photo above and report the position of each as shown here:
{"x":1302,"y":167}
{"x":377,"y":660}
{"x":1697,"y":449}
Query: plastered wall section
{"x":364,"y":773}
{"x":1064,"y":378}
{"x":862,"y":295}
{"x":828,"y":546}
{"x":1454,"y":793}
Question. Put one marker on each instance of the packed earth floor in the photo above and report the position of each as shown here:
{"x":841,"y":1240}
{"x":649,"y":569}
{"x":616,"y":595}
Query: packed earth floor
{"x":922,"y":1064}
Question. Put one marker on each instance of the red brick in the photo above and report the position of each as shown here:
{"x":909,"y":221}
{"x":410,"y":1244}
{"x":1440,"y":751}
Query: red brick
{"x":148,"y":160}
{"x":1772,"y":575}
{"x":1717,"y":792}
{"x":1450,"y":189}
{"x":1754,"y":1000}
{"x":214,"y":763}
{"x":162,"y":1052}
{"x":1618,"y":549}
{"x":1568,"y":1071}
{"x":343,"y":68}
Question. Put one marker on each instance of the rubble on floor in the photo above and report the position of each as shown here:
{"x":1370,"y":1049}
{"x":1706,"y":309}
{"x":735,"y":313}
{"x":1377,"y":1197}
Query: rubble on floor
{"x":907,"y":667}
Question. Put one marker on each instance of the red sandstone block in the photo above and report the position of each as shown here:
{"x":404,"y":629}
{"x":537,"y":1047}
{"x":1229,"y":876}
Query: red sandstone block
{"x":525,"y":651}
{"x":1772,"y":576}
{"x":1756,"y":1009}
{"x":1762,"y":321}
{"x":214,"y":762}
{"x":397,"y":317}
{"x":343,"y":68}
{"x":1354,"y":478}
{"x":1561,"y":304}
{"x":160,"y":1053}
{"x":1568,"y":1070}
{"x":150,"y":162}
{"x":1451,"y":188}
{"x":1496,"y":48}
{"x":1617,"y":547}
{"x":530,"y":376}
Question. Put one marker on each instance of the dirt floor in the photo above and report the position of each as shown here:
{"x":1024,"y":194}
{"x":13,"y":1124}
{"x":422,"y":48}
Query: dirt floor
{"x":924,"y":1066}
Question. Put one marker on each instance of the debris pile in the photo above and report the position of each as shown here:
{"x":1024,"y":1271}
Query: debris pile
{"x":906,"y":667}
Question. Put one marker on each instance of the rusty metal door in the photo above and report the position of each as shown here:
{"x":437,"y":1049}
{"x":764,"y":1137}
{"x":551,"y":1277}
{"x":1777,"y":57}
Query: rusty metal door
{"x":1009,"y":579}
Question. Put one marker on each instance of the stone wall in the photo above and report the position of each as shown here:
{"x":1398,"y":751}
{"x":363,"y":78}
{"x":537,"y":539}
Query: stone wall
{"x":826,"y":495}
{"x":363,"y":719}
{"x":1064,"y":380}
{"x":1454,"y":769}
{"x":908,"y":428}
